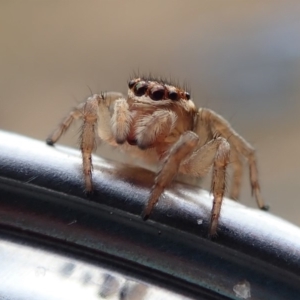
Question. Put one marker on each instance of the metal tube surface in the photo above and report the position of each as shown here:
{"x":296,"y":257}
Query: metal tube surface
{"x":42,"y":203}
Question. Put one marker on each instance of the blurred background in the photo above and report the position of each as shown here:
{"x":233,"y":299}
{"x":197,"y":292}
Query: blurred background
{"x":240,"y":58}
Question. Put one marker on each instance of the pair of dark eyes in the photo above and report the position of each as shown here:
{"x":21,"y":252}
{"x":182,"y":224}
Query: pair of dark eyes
{"x":157,"y":92}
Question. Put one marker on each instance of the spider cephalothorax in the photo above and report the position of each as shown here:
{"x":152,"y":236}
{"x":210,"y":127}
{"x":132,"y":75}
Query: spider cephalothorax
{"x":160,"y":123}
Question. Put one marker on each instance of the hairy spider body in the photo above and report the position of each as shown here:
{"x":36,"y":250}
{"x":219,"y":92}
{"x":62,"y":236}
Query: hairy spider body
{"x":161,"y":124}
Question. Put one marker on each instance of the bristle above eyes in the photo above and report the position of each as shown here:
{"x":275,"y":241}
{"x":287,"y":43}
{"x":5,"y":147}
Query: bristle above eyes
{"x":160,"y":80}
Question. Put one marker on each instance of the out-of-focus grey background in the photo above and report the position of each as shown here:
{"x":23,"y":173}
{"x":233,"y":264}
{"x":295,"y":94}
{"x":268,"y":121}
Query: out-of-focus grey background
{"x":240,"y":58}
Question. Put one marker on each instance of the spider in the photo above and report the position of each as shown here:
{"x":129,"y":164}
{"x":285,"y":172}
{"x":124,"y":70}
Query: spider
{"x":160,"y":123}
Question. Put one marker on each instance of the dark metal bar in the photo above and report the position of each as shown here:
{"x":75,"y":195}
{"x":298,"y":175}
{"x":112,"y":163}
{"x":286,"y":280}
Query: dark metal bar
{"x":42,"y":201}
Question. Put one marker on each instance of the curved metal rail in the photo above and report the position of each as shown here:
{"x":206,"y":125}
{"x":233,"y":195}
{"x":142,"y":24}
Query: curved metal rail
{"x":42,"y":204}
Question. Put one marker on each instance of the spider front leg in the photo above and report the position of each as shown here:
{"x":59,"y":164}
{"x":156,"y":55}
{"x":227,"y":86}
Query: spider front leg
{"x":180,"y":151}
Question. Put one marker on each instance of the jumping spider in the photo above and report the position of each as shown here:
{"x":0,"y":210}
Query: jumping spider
{"x":159,"y":122}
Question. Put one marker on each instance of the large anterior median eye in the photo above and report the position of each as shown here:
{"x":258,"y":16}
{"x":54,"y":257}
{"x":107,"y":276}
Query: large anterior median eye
{"x":140,"y":88}
{"x":157,"y":92}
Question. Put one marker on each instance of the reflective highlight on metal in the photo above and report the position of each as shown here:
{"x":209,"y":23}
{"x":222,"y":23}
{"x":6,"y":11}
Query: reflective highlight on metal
{"x":41,"y":274}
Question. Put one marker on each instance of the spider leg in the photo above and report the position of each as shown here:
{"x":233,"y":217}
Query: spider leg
{"x":88,"y":139}
{"x":65,"y":124}
{"x":121,"y":121}
{"x":169,"y":168}
{"x":237,"y":175}
{"x":219,"y":126}
{"x":216,"y":152}
{"x":95,"y":107}
{"x":218,"y":182}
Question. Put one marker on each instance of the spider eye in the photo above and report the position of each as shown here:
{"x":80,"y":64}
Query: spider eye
{"x":140,"y":88}
{"x":131,"y":83}
{"x":157,"y":93}
{"x":173,"y":95}
{"x":188,"y":96}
